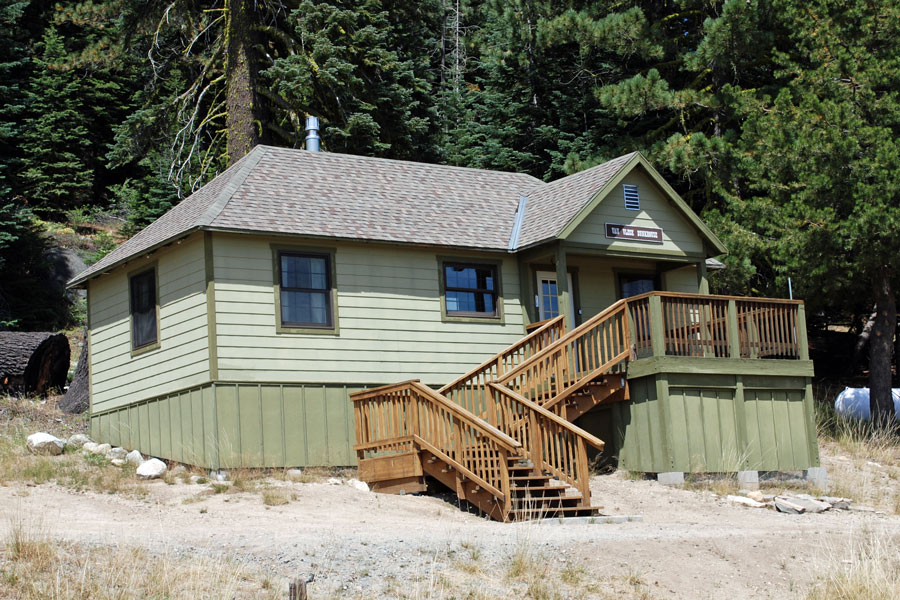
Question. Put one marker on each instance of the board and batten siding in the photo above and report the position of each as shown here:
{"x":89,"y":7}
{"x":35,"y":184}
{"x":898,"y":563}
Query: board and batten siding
{"x":680,"y":237}
{"x":710,"y":423}
{"x":388,"y":315}
{"x":229,"y":426}
{"x":182,"y":359}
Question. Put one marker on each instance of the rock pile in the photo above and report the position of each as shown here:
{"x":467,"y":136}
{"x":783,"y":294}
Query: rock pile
{"x":794,"y":504}
{"x":44,"y":443}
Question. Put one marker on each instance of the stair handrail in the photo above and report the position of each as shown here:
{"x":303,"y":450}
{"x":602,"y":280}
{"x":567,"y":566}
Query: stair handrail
{"x":556,"y":380}
{"x":545,"y":442}
{"x":486,"y":369}
{"x":412,"y":411}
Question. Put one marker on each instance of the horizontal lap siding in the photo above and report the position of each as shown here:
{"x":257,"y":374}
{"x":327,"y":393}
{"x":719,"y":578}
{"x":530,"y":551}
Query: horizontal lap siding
{"x":182,"y":359}
{"x":389,"y":317}
{"x":597,"y":280}
{"x":682,"y":281}
{"x":679,"y":235}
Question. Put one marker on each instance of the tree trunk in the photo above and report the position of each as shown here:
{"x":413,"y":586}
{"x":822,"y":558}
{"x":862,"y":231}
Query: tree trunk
{"x":243,"y":123}
{"x":78,"y":398}
{"x":881,"y":347}
{"x":897,"y":355}
{"x":862,"y":342}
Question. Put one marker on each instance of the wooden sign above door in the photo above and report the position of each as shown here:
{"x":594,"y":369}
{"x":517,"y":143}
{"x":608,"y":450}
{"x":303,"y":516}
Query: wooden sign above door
{"x":652,"y":235}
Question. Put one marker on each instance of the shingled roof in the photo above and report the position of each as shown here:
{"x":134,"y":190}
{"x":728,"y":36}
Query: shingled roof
{"x":552,"y":206}
{"x":329,"y":195}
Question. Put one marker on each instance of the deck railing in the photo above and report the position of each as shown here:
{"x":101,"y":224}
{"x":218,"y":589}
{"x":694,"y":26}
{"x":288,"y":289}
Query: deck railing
{"x":599,"y":345}
{"x":552,"y":443}
{"x":394,"y":419}
{"x":469,"y":390}
{"x":708,"y":326}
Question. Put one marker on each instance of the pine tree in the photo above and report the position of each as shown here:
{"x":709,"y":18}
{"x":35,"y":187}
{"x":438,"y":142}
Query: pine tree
{"x":825,"y":155}
{"x":56,"y":134}
{"x":363,"y":68}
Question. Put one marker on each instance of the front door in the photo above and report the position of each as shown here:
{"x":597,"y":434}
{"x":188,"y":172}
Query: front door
{"x":548,"y":296}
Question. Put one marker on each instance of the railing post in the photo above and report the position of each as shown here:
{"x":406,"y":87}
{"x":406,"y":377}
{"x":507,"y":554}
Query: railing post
{"x":535,"y":449}
{"x":504,"y":483}
{"x":734,"y":335}
{"x":657,"y":331}
{"x":490,"y":406}
{"x":630,"y":333}
{"x":802,"y":342}
{"x":584,"y":477}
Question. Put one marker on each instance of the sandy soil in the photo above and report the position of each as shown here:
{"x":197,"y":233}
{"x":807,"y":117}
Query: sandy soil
{"x":689,"y":544}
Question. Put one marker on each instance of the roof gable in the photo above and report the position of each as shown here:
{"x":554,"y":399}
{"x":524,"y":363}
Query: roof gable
{"x":566,"y":203}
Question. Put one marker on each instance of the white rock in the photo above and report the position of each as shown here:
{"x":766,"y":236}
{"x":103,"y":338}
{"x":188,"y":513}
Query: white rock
{"x":195,"y":479}
{"x":294,"y":474}
{"x":89,"y":448}
{"x":179,"y":470}
{"x":836,"y":502}
{"x":78,"y":440}
{"x":759,"y":496}
{"x":360,"y":485}
{"x":117,"y":454}
{"x":151,"y":469}
{"x":103,"y":449}
{"x":745,"y":501}
{"x":44,"y":443}
{"x":333,"y":481}
{"x":134,"y":458}
{"x":117,"y":462}
{"x":788,"y":505}
{"x":810,"y":504}
{"x":218,"y":475}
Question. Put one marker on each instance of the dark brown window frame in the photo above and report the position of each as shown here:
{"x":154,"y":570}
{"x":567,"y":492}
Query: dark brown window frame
{"x":495,"y":293}
{"x":150,"y":274}
{"x":328,"y":292}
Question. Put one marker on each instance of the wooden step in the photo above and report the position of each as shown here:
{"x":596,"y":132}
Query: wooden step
{"x":529,"y":514}
{"x":526,"y":478}
{"x":540,"y":488}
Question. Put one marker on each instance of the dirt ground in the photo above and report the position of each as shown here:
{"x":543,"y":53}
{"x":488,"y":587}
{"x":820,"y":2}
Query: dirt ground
{"x":689,"y":543}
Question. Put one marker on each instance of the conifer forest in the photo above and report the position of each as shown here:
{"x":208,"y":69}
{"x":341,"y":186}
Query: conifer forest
{"x":778,"y":121}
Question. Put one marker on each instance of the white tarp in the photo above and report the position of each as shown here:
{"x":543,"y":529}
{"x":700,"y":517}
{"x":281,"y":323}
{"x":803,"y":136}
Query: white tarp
{"x":854,"y":402}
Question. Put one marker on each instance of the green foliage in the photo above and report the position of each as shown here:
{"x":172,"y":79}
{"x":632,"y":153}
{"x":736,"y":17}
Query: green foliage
{"x":363,"y":68}
{"x":825,"y":152}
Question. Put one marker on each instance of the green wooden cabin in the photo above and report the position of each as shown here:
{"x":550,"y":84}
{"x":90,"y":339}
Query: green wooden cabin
{"x":230,"y":332}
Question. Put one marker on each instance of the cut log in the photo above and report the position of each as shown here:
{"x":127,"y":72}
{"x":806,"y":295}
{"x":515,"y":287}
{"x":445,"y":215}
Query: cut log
{"x":78,"y":396}
{"x":33,"y":362}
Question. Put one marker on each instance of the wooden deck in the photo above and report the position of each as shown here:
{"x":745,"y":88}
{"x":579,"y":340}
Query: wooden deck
{"x":501,"y":436}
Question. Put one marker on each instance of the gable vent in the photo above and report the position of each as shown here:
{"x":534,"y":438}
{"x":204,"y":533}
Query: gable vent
{"x":632,"y":200}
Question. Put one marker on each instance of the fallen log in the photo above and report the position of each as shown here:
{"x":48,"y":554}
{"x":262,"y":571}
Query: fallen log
{"x":33,"y":362}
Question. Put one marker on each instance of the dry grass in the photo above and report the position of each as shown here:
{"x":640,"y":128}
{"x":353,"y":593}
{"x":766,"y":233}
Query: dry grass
{"x":33,"y":566}
{"x":21,"y":417}
{"x":868,"y":568}
{"x":273,"y":497}
{"x":863,"y":462}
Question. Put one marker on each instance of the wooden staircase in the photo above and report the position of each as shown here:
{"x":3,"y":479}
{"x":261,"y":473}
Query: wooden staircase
{"x":501,"y":435}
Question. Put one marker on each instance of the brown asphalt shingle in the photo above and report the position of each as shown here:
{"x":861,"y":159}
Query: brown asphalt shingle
{"x":552,"y":206}
{"x":323,"y":194}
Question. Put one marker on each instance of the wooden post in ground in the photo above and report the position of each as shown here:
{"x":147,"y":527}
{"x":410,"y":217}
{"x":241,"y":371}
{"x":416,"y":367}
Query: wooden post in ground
{"x":297,"y":590}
